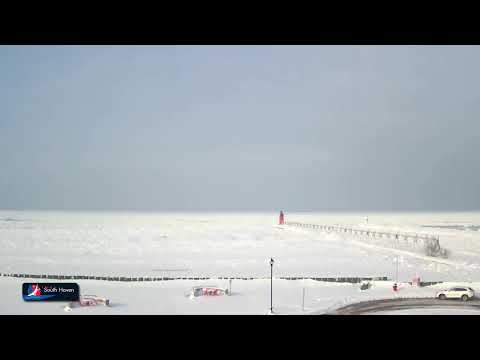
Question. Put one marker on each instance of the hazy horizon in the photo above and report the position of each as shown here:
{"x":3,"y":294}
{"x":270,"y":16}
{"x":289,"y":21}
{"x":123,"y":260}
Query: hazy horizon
{"x":326,"y":129}
{"x":274,"y":212}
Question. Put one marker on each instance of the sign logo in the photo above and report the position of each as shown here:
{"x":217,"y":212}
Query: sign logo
{"x":34,"y":290}
{"x":50,"y":292}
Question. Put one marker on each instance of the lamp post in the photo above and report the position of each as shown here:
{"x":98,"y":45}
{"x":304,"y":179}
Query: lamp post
{"x":397,"y":269}
{"x":396,"y":243}
{"x":271,"y":285}
{"x":303,"y":300}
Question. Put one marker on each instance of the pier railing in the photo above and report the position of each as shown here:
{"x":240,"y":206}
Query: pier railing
{"x":430,"y":243}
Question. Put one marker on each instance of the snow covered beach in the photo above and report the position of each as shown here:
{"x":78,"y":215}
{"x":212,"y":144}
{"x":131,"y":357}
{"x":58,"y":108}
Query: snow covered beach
{"x":222,"y":245}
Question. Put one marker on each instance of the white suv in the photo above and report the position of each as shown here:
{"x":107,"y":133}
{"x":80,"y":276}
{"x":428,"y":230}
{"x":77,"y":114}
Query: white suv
{"x":459,"y":292}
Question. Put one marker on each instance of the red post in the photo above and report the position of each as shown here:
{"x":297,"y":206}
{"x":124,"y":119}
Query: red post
{"x":281,"y":220}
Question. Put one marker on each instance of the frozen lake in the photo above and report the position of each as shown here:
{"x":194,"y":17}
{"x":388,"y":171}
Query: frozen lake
{"x":184,"y":245}
{"x":210,"y":244}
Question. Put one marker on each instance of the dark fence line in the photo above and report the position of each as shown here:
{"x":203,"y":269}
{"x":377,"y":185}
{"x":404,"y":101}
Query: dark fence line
{"x":428,"y":283}
{"x":351,"y":280}
{"x":137,"y":279}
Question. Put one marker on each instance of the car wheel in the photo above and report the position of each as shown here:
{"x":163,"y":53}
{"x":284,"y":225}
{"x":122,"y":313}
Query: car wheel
{"x":464,"y":297}
{"x":442,"y":297}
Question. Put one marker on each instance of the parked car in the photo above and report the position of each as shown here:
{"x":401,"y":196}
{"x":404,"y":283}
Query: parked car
{"x":459,"y":292}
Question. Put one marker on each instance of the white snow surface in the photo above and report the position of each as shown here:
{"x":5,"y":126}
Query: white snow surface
{"x":249,"y":297}
{"x":213,"y":244}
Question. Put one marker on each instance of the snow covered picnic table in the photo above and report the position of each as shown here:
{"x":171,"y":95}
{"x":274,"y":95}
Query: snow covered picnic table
{"x":87,"y":300}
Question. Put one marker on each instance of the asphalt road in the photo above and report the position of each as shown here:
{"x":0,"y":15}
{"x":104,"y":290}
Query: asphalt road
{"x":366,"y":307}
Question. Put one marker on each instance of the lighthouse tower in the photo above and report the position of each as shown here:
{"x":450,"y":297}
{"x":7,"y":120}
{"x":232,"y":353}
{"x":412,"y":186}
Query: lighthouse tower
{"x":281,"y":219}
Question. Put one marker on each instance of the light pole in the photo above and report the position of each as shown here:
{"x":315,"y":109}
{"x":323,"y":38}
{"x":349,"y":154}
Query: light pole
{"x":396,"y":243}
{"x":271,"y":285}
{"x":396,"y":277}
{"x":303,"y":300}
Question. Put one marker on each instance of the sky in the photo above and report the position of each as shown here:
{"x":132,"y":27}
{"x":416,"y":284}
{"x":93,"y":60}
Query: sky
{"x":240,"y":128}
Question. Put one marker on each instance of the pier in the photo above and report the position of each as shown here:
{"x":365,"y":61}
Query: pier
{"x":430,"y":243}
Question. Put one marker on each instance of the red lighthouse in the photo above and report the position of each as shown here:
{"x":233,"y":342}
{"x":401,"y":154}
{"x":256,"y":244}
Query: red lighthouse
{"x":281,"y":219}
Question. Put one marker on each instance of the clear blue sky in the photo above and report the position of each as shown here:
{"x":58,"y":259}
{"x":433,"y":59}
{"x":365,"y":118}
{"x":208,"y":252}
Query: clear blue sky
{"x":238,"y":128}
